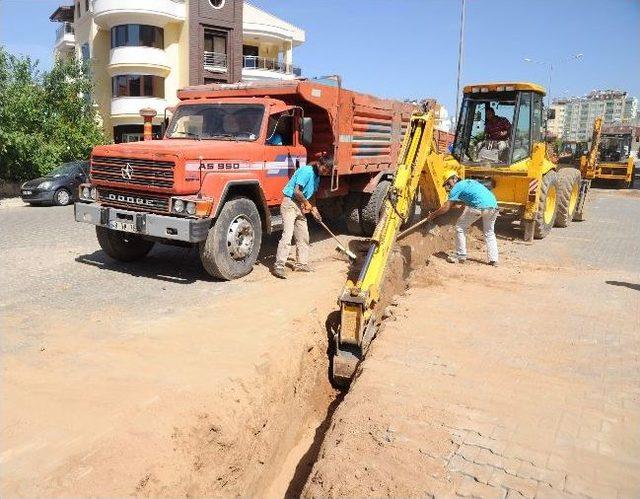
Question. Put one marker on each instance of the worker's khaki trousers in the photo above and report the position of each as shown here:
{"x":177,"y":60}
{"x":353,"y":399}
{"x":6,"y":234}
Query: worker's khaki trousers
{"x":294,"y":225}
{"x":468,"y":217}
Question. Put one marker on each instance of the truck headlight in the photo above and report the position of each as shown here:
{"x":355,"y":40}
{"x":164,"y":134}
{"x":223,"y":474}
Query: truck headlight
{"x":86,"y":193}
{"x":94,"y":193}
{"x":178,"y":206}
{"x":191,"y":208}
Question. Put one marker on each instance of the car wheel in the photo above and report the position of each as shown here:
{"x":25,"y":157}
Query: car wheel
{"x":62,"y":197}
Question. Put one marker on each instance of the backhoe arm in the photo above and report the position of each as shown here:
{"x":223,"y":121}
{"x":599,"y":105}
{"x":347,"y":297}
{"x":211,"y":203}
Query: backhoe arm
{"x":419,"y":167}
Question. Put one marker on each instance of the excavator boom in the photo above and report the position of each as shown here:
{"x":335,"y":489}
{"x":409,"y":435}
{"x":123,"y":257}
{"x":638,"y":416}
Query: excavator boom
{"x":419,"y":167}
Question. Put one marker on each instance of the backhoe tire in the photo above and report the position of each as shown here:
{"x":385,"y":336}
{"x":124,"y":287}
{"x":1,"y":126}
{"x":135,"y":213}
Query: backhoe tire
{"x":372,"y":207}
{"x":352,"y":213}
{"x":233,"y":243}
{"x":122,"y":246}
{"x":568,"y":193}
{"x":545,"y":217}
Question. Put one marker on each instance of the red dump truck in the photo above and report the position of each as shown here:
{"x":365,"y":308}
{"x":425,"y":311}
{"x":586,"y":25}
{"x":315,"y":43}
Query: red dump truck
{"x":215,"y":180}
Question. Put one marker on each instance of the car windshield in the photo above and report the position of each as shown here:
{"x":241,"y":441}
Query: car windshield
{"x":67,"y":169}
{"x":217,"y":121}
{"x":484,"y":131}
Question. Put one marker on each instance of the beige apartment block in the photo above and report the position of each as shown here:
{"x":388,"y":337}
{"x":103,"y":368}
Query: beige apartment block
{"x":140,"y":52}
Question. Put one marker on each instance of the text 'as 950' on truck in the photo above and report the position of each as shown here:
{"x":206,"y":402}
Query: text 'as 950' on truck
{"x":215,"y":179}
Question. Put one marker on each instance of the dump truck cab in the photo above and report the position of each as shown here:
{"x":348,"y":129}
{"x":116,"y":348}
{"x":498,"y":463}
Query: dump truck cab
{"x":499,"y":142}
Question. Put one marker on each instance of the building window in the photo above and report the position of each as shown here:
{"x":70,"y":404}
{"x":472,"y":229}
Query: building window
{"x":138,"y":86}
{"x":217,"y":4}
{"x":86,"y":5}
{"x":137,"y":35}
{"x":215,"y":42}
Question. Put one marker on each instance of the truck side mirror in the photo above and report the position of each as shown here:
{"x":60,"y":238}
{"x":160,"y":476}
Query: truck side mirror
{"x":551,"y":114}
{"x":307,"y":131}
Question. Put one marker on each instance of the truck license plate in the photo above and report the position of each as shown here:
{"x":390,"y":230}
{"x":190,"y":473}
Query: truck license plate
{"x":123,"y":226}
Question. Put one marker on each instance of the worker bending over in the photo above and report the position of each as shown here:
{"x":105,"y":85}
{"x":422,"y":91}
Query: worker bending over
{"x":479,"y":202}
{"x":296,"y":203}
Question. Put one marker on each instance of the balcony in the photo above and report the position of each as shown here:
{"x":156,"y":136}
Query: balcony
{"x":127,"y":107}
{"x":145,"y":60}
{"x":263,"y":68}
{"x":215,"y":62}
{"x":65,"y":37}
{"x":110,"y":13}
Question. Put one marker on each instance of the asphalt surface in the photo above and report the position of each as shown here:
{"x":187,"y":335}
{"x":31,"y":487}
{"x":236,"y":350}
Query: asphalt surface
{"x":53,"y":265}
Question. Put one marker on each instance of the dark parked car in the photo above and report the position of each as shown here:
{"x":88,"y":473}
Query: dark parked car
{"x":58,"y":187}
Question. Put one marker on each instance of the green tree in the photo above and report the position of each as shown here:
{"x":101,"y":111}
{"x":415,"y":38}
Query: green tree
{"x":45,"y":118}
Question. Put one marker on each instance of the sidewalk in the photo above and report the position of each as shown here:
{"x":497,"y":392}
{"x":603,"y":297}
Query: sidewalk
{"x":518,"y":381}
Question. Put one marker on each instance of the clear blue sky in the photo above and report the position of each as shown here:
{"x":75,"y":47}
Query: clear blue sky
{"x":408,"y":48}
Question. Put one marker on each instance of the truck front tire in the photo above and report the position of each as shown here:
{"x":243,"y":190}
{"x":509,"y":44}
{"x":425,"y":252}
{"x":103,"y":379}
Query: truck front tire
{"x":233,"y":243}
{"x":122,"y":246}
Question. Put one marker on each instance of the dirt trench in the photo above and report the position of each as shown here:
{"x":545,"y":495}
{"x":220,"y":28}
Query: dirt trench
{"x":229,"y":397}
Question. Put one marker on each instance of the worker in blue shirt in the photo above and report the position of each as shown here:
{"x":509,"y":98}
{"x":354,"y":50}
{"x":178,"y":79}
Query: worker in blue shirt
{"x":479,"y":202}
{"x":297,"y":201}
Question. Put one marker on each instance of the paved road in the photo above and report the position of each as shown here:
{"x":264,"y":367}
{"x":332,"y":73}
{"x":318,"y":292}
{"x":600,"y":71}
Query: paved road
{"x":52,"y":265}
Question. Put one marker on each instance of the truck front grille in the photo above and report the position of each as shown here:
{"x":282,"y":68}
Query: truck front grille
{"x":133,"y":200}
{"x":131,"y":171}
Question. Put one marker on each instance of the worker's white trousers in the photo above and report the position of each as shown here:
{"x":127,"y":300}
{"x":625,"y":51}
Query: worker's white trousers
{"x":294,"y":224}
{"x":468,"y":217}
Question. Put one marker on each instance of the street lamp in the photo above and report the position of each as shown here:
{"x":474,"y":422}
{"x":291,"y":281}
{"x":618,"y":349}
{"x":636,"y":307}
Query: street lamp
{"x":550,"y":66}
{"x":460,"y":55}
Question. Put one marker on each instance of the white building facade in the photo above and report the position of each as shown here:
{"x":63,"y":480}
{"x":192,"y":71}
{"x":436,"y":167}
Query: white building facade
{"x":141,"y":52}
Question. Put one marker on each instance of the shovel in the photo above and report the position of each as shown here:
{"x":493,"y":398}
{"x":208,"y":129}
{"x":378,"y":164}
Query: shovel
{"x":341,"y":247}
{"x":433,"y":228}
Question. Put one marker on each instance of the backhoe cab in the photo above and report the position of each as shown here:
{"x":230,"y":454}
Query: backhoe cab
{"x":499,"y":141}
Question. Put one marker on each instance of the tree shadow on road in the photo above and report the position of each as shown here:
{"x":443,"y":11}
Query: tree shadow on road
{"x":624,"y":284}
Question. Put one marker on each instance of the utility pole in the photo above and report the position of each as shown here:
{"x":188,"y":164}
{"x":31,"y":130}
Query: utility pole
{"x":460,"y":56}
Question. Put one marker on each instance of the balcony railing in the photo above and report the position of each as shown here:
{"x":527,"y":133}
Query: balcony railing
{"x":215,"y":61}
{"x":65,"y":28}
{"x":255,"y":62}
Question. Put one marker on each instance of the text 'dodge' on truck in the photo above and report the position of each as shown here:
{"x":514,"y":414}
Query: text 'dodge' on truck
{"x":215,"y":179}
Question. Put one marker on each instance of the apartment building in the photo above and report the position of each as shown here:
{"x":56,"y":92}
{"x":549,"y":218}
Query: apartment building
{"x":141,"y":52}
{"x":575,"y":115}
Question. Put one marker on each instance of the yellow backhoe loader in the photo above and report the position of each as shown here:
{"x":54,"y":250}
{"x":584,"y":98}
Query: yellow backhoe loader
{"x":499,"y":142}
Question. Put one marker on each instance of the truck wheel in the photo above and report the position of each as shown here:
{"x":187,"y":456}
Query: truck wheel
{"x":233,"y":243}
{"x":568,"y":194}
{"x":122,"y":246}
{"x":545,"y":217}
{"x":352,"y":213}
{"x":372,"y":207}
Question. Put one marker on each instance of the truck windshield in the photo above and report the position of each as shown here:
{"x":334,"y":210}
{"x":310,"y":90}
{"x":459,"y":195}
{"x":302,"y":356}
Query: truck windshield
{"x":615,"y":147}
{"x":484,"y":130}
{"x":217,"y":121}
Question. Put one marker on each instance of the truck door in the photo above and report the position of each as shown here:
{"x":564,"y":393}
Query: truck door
{"x":284,"y":152}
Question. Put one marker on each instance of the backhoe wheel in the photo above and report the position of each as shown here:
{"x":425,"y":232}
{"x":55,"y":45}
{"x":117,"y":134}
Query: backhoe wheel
{"x":568,"y":194}
{"x":372,"y":207}
{"x":233,"y":243}
{"x":122,"y":246}
{"x":547,"y":208}
{"x":352,"y":213}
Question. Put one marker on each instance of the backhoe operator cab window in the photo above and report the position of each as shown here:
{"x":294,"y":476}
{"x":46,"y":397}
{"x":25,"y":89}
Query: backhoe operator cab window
{"x":217,"y":121}
{"x":496,"y":128}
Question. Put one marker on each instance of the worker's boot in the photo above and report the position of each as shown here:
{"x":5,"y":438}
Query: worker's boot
{"x":279,"y":271}
{"x":456,"y":259}
{"x":302,"y":267}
